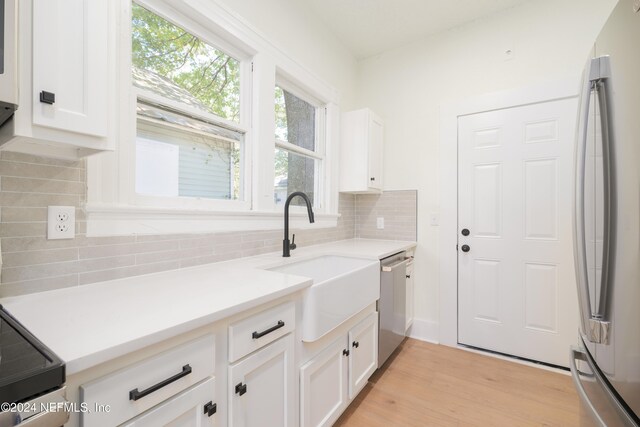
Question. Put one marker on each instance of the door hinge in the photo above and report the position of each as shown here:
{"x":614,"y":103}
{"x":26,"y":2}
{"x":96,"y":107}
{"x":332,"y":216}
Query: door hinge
{"x":456,"y":247}
{"x":252,"y":67}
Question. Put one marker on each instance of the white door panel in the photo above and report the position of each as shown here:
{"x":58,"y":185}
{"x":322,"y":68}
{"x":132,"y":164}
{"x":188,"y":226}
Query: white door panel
{"x":516,"y":289}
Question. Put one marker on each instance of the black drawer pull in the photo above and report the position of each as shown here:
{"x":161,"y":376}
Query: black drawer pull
{"x":255,"y":335}
{"x":210,"y":408}
{"x":241,"y":389}
{"x":345,"y":352}
{"x":355,"y":344}
{"x":135,"y":394}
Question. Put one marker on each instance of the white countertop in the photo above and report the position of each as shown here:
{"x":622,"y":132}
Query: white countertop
{"x":91,"y":324}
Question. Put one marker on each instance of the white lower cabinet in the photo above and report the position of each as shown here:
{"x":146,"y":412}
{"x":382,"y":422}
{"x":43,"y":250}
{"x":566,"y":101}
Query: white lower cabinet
{"x":323,"y":386}
{"x":148,"y":384}
{"x":410,"y":296}
{"x":330,"y":380}
{"x":192,"y":408}
{"x":261,"y":387}
{"x":363,"y":356}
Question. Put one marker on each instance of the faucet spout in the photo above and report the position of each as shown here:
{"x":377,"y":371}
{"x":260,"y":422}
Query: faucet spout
{"x":286,"y":244}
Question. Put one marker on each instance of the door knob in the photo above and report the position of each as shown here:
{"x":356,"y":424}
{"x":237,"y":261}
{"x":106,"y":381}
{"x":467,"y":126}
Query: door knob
{"x":466,"y":248}
{"x":465,"y":231}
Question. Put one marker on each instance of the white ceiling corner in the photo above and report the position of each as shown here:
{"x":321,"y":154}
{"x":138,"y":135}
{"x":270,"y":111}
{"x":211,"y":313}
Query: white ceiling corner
{"x":369,"y":27}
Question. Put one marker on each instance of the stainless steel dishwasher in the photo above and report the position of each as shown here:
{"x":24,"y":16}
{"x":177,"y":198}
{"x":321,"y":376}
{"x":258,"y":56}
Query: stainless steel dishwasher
{"x":392,"y":306}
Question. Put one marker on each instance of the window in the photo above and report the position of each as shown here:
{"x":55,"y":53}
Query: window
{"x":299,"y":148}
{"x":181,"y":157}
{"x":195,"y":128}
{"x":187,"y":90}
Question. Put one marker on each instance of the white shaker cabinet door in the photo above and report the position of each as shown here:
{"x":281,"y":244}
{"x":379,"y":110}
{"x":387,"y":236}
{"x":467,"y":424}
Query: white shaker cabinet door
{"x":363,"y":353}
{"x":261,"y":387}
{"x":323,"y":386}
{"x":376,"y":130}
{"x":70,"y":45}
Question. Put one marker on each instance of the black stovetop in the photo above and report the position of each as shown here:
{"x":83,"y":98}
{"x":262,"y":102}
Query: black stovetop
{"x":27,"y":367}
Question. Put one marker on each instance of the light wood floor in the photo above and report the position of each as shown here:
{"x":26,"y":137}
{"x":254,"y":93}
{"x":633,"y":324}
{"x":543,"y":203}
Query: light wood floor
{"x":431,"y":385}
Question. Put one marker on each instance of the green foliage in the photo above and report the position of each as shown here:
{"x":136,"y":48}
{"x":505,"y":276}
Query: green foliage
{"x":281,"y":115}
{"x":163,"y":48}
{"x":281,"y":160}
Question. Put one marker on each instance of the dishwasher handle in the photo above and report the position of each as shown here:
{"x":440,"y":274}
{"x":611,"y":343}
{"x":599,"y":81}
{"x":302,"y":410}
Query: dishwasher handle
{"x":391,"y":267}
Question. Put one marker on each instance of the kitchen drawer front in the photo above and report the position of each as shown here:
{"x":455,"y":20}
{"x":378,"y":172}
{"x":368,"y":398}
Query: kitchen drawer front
{"x":136,"y":388}
{"x":252,"y":333}
{"x":196,"y":406}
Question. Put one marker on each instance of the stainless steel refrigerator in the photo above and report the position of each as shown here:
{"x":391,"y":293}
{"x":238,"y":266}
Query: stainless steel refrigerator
{"x":605,"y":366}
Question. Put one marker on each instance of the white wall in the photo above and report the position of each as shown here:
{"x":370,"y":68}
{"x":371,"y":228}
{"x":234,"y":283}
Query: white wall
{"x":550,"y":40}
{"x":288,"y":25}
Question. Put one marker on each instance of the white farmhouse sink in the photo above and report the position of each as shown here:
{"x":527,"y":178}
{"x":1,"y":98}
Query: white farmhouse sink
{"x":342,"y":286}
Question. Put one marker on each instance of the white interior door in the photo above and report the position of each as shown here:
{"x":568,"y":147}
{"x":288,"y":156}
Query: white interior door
{"x":516,"y":283}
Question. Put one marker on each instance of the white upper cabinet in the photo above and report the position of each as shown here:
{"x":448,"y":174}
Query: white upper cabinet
{"x":66,"y":78}
{"x":70,"y":61}
{"x":361,"y":153}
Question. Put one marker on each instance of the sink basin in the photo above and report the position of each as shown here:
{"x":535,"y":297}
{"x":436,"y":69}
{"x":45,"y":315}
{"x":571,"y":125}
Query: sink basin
{"x":342,"y":286}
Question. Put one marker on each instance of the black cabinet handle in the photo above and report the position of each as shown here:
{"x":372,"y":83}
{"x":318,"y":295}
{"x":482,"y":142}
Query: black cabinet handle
{"x":345,"y":352}
{"x":255,"y":335}
{"x":465,"y":231}
{"x":466,"y":248}
{"x":47,"y":97}
{"x":241,"y":388}
{"x":372,"y":178}
{"x":135,"y":394}
{"x":355,"y":344}
{"x":408,"y":276}
{"x":210,"y":408}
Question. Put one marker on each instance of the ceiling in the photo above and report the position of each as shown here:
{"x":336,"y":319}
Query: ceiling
{"x":369,"y":27}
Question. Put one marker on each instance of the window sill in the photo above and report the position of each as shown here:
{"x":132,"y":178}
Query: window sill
{"x":111,"y":220}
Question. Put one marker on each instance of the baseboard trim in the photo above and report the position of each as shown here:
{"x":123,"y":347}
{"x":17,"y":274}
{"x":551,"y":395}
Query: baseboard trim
{"x":424,"y":330}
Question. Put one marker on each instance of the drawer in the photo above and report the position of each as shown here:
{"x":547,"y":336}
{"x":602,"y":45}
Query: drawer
{"x":141,"y":386}
{"x":196,"y":406}
{"x":254,"y":332}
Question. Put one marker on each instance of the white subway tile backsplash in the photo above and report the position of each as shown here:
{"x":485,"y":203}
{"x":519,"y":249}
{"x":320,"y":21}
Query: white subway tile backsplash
{"x":28,"y":184}
{"x":399,"y":210}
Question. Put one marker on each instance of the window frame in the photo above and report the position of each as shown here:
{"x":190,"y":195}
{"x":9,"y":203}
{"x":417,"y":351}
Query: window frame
{"x":242,"y":125}
{"x":113,"y":206}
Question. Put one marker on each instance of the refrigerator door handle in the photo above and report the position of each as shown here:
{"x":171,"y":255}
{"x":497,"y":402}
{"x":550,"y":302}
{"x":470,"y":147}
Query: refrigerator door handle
{"x":578,"y":208}
{"x":577,"y":354}
{"x":594,"y":326}
{"x":602,"y":91}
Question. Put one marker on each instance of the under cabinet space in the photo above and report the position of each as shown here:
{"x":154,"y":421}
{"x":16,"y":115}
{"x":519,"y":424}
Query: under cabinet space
{"x":258,"y":330}
{"x":139,"y":387}
{"x":194,"y":407}
{"x":261,"y":387}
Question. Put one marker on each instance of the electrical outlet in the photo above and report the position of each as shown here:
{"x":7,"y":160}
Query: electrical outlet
{"x":380,"y":223}
{"x":61,"y":222}
{"x":434,"y":219}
